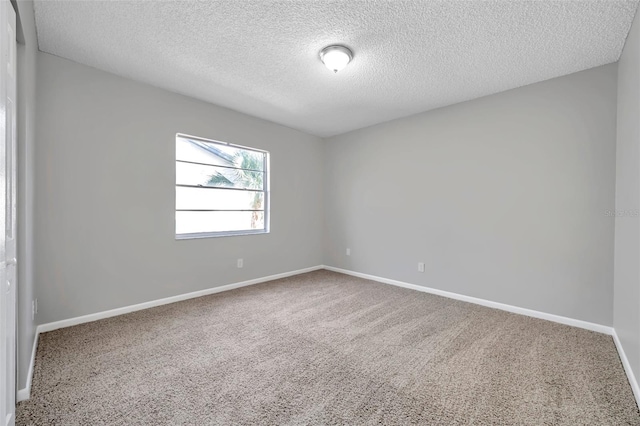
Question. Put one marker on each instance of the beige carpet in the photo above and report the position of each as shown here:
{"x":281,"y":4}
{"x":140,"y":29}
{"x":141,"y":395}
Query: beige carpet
{"x":326,"y":348}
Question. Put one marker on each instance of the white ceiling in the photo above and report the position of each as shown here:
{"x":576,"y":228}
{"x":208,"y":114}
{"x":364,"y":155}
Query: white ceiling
{"x":260,"y":57}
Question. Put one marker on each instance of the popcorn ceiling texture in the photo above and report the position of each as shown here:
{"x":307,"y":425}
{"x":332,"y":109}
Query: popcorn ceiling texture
{"x":260,"y":57}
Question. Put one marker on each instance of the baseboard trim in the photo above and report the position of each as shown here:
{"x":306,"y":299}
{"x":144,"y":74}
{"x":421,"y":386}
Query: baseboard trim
{"x":25,"y":393}
{"x":488,"y":303}
{"x":627,"y":367}
{"x":43,"y":328}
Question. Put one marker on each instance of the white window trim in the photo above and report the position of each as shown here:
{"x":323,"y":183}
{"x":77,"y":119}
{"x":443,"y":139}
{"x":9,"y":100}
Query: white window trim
{"x":266,"y":191}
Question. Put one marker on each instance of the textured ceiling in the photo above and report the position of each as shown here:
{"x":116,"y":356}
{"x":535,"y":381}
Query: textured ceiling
{"x":260,"y":57}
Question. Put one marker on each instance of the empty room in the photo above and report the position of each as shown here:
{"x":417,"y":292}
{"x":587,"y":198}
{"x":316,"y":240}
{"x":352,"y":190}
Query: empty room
{"x":320,"y":212}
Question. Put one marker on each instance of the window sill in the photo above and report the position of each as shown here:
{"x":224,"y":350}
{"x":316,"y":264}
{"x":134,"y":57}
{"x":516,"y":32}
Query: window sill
{"x":218,"y":234}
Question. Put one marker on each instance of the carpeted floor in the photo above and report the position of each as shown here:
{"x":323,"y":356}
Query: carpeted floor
{"x":326,"y":348}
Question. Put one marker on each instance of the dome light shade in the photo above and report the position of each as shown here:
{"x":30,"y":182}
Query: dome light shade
{"x":336,"y":57}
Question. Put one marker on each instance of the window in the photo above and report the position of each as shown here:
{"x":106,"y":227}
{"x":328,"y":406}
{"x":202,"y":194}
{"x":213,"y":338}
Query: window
{"x":221,"y":189}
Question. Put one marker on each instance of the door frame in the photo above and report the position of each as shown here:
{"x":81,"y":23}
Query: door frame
{"x":8,"y":263}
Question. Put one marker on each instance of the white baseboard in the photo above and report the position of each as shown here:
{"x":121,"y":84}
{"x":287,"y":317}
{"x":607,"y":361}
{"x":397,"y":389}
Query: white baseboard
{"x":159,"y":302}
{"x":496,"y":305}
{"x":627,"y":368}
{"x":24,"y":394}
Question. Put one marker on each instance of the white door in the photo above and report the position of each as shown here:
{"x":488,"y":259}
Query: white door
{"x":7,"y":213}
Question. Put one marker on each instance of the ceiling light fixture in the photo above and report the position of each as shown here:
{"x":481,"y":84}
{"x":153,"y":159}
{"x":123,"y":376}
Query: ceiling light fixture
{"x":336,"y":57}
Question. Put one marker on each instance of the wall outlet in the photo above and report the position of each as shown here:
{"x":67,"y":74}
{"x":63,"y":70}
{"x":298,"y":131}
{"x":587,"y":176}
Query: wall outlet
{"x":33,"y":309}
{"x":240,"y":263}
{"x":348,"y":252}
{"x":420,"y":266}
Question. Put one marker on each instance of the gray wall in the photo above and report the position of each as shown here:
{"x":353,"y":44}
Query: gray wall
{"x":504,"y":197}
{"x":105,"y":176}
{"x":627,"y":233}
{"x":26,"y":63}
